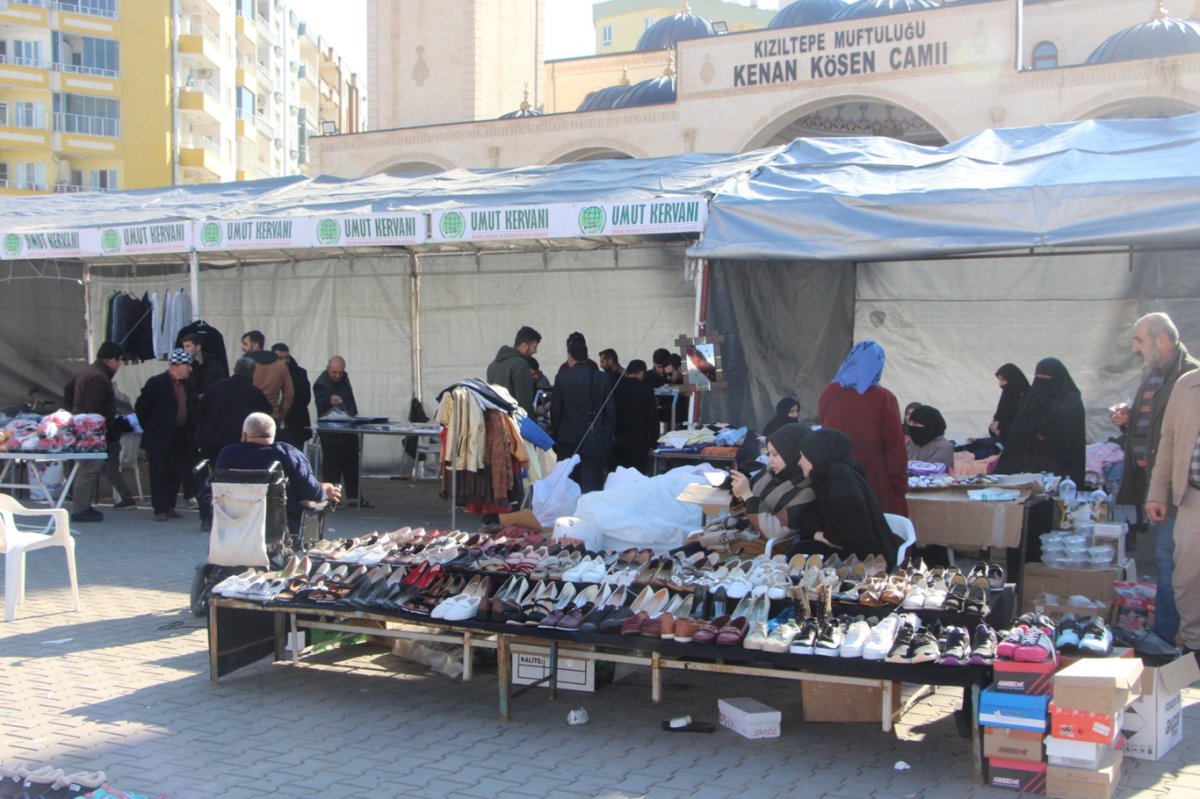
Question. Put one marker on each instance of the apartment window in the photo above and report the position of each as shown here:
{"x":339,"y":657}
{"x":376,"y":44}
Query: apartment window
{"x":102,"y":179}
{"x":1045,"y":56}
{"x":3,"y":174}
{"x":99,"y":56}
{"x":31,"y":176}
{"x":83,"y":113}
{"x":245,"y":8}
{"x":246,"y":103}
{"x":26,"y":53}
{"x":606,"y":35}
{"x":21,"y":114}
{"x":96,"y":8}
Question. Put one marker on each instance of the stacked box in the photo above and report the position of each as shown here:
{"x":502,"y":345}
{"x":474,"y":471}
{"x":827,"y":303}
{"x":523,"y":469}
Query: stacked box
{"x":1014,"y":723}
{"x":1086,"y":713}
{"x":1153,"y":724}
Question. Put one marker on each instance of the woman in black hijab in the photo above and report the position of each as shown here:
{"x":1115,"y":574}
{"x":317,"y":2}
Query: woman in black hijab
{"x":851,"y":522}
{"x":787,"y":411}
{"x":927,"y":442}
{"x":1048,"y":433}
{"x":779,"y":498}
{"x":1013,"y":385}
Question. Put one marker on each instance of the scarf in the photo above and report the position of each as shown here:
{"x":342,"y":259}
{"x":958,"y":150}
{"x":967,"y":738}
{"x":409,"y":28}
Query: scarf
{"x":782,"y":409}
{"x":862,"y":368}
{"x":1015,"y":386}
{"x":928,"y":425}
{"x":789,"y":487}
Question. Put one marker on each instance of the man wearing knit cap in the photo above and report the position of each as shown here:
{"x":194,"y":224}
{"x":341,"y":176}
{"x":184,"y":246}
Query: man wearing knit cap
{"x":163,"y":410}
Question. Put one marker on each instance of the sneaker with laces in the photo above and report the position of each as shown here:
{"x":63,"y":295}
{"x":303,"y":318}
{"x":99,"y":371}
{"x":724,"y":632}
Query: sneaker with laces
{"x":781,"y":639}
{"x":856,"y":639}
{"x":923,"y":649}
{"x":957,"y":649}
{"x":1009,"y":642}
{"x":904,"y":638}
{"x":806,"y":640}
{"x":882,"y":636}
{"x":983,"y":646}
{"x":1096,"y":639}
{"x":1066,"y":638}
{"x":829,"y":640}
{"x":1035,"y":647}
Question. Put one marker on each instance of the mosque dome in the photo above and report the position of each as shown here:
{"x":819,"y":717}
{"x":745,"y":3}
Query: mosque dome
{"x":603,"y":99}
{"x":1161,"y":37}
{"x":526,"y":110}
{"x":676,"y":28}
{"x":655,"y":91}
{"x":807,"y":12}
{"x":880,"y":8}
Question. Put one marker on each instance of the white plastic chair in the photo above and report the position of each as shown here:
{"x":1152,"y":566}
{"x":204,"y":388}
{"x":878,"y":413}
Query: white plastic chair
{"x":15,"y":543}
{"x":903,"y":529}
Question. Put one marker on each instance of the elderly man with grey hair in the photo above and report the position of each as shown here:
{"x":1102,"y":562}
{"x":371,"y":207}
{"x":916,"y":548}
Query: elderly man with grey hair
{"x":1164,"y":360}
{"x":258,"y":450}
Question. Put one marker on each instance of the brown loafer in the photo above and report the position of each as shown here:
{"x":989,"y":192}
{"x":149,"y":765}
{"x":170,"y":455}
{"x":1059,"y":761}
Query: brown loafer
{"x":634,"y":624}
{"x":706,"y":632}
{"x":685,"y":630}
{"x":666,"y":626}
{"x":733,"y":633}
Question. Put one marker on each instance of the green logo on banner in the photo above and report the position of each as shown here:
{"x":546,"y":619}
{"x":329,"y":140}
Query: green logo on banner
{"x":591,"y":220}
{"x":210,"y":234}
{"x":12,"y":245}
{"x":328,"y":232}
{"x":452,"y":225}
{"x":110,"y":241}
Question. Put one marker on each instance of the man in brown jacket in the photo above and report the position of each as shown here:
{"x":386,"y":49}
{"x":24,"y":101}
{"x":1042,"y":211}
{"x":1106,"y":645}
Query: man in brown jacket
{"x":1175,"y":487}
{"x":92,"y":392}
{"x":271,"y":375}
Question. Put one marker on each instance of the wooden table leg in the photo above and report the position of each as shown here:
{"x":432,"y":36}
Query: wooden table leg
{"x":466,"y":657}
{"x":212,"y":642}
{"x":553,"y":670}
{"x":503,"y":675}
{"x":655,"y":678}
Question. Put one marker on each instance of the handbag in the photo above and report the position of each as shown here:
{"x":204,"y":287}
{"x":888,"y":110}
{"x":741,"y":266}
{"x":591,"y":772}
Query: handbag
{"x":598,"y":443}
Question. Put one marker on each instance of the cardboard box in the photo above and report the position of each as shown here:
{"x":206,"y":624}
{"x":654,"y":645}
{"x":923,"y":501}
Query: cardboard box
{"x":1012,"y":711}
{"x":573,"y":674}
{"x":1006,"y":744}
{"x":1098,"y":685}
{"x":825,"y":701}
{"x":1024,"y":678}
{"x":1097,"y":584}
{"x":1083,"y":725}
{"x":1153,"y":724}
{"x":1077,"y":783}
{"x":1016,"y":775}
{"x":1111,"y":533}
{"x":749,"y":718}
{"x":1079,"y":754}
{"x":947,"y":517}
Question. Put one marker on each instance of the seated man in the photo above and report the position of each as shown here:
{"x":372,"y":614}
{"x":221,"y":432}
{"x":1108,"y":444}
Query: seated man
{"x":258,"y":450}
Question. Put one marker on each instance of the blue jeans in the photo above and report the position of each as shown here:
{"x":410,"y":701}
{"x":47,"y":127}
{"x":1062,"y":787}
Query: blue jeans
{"x":1166,"y":616}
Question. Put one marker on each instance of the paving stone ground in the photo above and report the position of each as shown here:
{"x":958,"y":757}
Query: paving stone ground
{"x":123,"y":686}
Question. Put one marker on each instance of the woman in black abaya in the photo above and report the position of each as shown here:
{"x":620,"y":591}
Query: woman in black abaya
{"x":1013,"y":385}
{"x":1048,"y":433}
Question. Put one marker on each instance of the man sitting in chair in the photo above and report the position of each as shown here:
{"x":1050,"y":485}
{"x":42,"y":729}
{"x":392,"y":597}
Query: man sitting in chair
{"x":258,"y":450}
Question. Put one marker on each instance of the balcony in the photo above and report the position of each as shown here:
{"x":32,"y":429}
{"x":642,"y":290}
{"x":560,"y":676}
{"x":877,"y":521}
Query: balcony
{"x":24,"y":131}
{"x":23,"y":73}
{"x":200,"y":157}
{"x":265,"y":128}
{"x":79,"y":135}
{"x":33,"y":13}
{"x":72,"y":188}
{"x":200,"y":101}
{"x":247,"y":72}
{"x":86,"y":17}
{"x":205,"y":7}
{"x":265,"y":78}
{"x":87,"y":125}
{"x":200,"y":42}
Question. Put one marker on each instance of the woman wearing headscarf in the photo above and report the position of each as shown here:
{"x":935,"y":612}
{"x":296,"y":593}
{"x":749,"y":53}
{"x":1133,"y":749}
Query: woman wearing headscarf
{"x":927,"y":437}
{"x":1048,"y":433}
{"x":869,"y":415}
{"x":850,"y":519}
{"x":779,"y":498}
{"x":787,"y":411}
{"x":1013,"y":385}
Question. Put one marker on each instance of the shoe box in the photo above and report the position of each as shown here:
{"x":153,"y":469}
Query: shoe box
{"x":1080,"y":754}
{"x":749,"y":718}
{"x":965,"y":523}
{"x":1004,"y":743}
{"x":1153,"y":724}
{"x":1085,"y":725}
{"x":1016,"y":775}
{"x":1078,"y":783}
{"x":834,"y":702}
{"x":1010,"y":676}
{"x":1098,"y":685}
{"x":1013,"y":711}
{"x":1111,"y":533}
{"x":574,"y":674}
{"x":1038,"y":579}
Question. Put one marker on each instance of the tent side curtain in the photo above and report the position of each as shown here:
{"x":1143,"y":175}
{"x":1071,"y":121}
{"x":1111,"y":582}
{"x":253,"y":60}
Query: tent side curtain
{"x":42,"y":331}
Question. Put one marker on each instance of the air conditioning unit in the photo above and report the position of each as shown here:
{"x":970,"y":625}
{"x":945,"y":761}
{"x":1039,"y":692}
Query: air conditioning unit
{"x":279,"y":143}
{"x":278,"y":51}
{"x":204,"y":74}
{"x":278,"y":97}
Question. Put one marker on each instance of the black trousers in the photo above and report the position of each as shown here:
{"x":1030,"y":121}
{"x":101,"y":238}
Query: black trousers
{"x":590,"y":476}
{"x":169,"y":467}
{"x":339,"y":462}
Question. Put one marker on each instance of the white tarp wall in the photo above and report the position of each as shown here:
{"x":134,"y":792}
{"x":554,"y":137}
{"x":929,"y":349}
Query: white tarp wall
{"x":948,"y":325}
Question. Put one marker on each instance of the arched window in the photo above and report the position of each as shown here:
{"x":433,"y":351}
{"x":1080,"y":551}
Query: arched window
{"x":1045,"y":56}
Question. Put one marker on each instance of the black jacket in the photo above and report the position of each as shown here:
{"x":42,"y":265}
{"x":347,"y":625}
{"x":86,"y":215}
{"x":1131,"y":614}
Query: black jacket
{"x":223,"y":409}
{"x":579,"y":393}
{"x":325,"y":388}
{"x":298,"y":419}
{"x":155,"y":409}
{"x":636,"y":416}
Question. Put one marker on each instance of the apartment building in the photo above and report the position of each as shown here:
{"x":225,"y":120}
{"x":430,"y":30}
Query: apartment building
{"x":97,"y":95}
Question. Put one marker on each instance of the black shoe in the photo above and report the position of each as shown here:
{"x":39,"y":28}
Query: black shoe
{"x":128,"y":502}
{"x":89,"y":515}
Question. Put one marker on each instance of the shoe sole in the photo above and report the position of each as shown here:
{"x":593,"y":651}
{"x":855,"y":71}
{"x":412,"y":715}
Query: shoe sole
{"x":829,"y":653}
{"x":808,"y":650}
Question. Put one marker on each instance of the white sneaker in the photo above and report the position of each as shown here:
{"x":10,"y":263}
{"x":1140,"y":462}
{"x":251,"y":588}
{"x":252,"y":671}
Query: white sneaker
{"x":856,"y":638}
{"x":881,"y":638}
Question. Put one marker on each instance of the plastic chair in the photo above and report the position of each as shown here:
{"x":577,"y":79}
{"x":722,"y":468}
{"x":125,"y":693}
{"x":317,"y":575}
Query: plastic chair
{"x":15,"y":543}
{"x":903,"y":529}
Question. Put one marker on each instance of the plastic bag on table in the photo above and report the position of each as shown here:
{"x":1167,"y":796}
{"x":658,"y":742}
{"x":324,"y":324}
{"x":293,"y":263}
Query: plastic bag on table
{"x":643,"y":515}
{"x":624,"y":476}
{"x":556,"y":494}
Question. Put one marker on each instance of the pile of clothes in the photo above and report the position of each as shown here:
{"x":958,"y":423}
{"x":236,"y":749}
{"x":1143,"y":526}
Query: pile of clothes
{"x":55,"y":432}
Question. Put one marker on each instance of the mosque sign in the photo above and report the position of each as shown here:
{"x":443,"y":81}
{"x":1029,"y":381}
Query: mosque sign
{"x":867,"y":49}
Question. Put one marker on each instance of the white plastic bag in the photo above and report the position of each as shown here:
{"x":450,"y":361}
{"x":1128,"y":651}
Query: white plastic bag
{"x":624,"y":476}
{"x":52,"y":477}
{"x":556,"y":494}
{"x":643,"y":514}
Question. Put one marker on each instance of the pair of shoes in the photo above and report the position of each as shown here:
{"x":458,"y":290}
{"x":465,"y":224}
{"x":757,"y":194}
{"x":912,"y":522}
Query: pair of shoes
{"x":192,"y":503}
{"x":174,"y":514}
{"x":160,"y":517}
{"x":128,"y":502}
{"x":89,"y":515}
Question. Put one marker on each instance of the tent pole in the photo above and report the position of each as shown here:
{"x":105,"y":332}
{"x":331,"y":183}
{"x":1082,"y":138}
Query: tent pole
{"x":194,"y":279}
{"x":414,"y":321}
{"x":89,"y":337}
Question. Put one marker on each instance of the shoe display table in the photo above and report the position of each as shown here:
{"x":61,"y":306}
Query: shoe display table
{"x":242,"y":632}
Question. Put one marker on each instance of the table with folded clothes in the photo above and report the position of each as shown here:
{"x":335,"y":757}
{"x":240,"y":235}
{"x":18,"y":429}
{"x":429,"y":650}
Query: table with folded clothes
{"x":37,"y":441}
{"x":717,"y":444}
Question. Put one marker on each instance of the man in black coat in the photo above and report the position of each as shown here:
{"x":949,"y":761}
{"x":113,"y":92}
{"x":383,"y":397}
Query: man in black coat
{"x":163,"y":410}
{"x":580,"y":394}
{"x":637,"y":418}
{"x":219,"y":417}
{"x":339,"y":451}
{"x":297,"y":424}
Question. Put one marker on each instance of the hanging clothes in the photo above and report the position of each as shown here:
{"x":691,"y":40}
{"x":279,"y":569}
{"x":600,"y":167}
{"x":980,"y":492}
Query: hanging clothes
{"x":214,"y":342}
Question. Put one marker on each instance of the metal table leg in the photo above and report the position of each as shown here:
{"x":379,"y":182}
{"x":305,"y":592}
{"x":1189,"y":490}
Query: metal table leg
{"x":466,"y":655}
{"x":503,"y":675}
{"x":553,"y":670}
{"x":655,"y":678}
